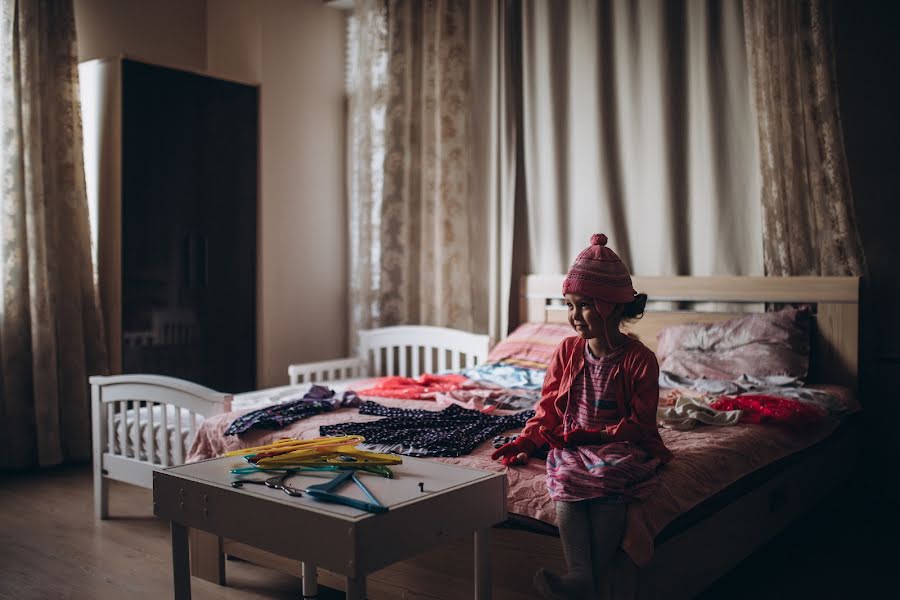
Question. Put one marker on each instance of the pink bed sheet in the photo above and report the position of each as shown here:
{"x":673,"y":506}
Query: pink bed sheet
{"x":707,"y":460}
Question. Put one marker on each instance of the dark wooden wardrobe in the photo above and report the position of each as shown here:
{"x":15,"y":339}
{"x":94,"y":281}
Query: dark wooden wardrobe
{"x":172,"y":174}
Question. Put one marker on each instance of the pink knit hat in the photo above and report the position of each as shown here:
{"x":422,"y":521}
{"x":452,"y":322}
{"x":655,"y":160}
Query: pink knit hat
{"x":599,"y":274}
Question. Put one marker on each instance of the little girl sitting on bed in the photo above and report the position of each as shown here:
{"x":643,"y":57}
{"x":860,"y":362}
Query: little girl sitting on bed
{"x":598,"y":415}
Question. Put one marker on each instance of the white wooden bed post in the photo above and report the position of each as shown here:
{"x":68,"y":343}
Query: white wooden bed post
{"x":98,"y":438}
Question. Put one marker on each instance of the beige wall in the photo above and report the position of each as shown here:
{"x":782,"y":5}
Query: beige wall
{"x":165,"y":32}
{"x":294,"y":50}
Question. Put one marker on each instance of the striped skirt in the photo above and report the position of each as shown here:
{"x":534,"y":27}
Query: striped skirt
{"x":619,"y":472}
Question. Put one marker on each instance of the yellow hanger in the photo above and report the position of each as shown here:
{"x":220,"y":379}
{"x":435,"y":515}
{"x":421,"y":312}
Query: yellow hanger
{"x":346,"y":456}
{"x":317,"y":452}
{"x":291,"y":444}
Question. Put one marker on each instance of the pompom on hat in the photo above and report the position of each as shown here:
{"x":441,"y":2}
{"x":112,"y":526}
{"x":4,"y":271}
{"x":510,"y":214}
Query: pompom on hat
{"x":600,"y":274}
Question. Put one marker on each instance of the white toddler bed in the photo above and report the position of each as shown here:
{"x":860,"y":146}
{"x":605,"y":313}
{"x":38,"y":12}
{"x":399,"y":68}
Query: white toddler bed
{"x":142,"y":423}
{"x":146,"y":422}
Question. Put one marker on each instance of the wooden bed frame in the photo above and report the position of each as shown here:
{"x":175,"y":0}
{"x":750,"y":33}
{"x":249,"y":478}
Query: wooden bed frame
{"x":835,"y":338}
{"x":688,"y":562}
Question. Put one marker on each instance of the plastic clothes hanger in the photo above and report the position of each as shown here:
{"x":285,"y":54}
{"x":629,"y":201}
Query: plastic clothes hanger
{"x":275,"y":482}
{"x":328,"y":456}
{"x":380,"y":470}
{"x":325,"y":492}
{"x":291,"y":444}
{"x":321,"y":451}
{"x":288,"y":456}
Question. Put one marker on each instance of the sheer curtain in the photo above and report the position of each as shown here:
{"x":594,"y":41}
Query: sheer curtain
{"x":638,"y":123}
{"x":809,"y":225}
{"x":366,"y":89}
{"x":425,"y":240}
{"x":631,"y":117}
{"x":432,"y":171}
{"x":50,"y":330}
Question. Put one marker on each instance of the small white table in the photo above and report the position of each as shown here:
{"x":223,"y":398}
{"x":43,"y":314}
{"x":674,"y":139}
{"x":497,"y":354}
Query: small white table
{"x":450,"y":502}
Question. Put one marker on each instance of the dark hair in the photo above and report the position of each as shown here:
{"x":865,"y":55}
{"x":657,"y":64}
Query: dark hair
{"x":634,"y":309}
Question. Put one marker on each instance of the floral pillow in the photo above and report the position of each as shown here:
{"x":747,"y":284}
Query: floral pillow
{"x":760,"y":345}
{"x":530,"y":345}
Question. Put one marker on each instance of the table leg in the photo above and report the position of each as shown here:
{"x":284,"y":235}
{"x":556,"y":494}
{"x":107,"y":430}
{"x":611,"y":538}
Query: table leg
{"x":482,"y":564}
{"x":310,"y":579}
{"x":356,"y":588}
{"x":207,"y":556}
{"x":181,"y":567}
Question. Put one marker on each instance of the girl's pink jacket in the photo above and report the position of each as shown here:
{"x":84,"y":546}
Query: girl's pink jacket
{"x":637,"y":378}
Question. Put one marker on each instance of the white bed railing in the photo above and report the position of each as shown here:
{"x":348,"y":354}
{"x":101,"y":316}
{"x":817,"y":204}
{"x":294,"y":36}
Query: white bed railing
{"x":406,"y":350}
{"x":327,"y":370}
{"x":142,"y":423}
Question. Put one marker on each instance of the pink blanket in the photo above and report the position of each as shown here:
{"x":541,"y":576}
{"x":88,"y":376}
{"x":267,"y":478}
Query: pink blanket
{"x":707,"y":460}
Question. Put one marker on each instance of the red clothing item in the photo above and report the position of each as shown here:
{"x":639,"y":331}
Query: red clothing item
{"x":762,"y":408}
{"x":637,"y":378}
{"x":408,"y":388}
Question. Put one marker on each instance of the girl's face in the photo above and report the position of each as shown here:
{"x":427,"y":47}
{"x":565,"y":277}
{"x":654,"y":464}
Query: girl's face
{"x":584,"y":316}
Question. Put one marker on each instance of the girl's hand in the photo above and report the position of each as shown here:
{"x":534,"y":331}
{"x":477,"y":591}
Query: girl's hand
{"x":515,"y":453}
{"x":586,"y":437}
{"x":555,"y":441}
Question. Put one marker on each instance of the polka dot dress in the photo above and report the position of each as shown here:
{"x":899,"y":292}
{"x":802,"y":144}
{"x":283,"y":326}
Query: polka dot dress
{"x":453,"y":431}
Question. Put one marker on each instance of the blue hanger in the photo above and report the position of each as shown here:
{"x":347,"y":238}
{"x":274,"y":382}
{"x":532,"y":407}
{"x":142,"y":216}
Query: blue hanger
{"x":325,"y":492}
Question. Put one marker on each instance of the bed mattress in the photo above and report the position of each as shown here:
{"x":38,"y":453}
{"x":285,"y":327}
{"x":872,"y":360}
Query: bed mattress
{"x":151,"y":423}
{"x":707,"y":460}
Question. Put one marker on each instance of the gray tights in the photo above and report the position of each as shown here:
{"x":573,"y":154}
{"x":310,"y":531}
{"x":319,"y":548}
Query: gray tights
{"x":590,"y":531}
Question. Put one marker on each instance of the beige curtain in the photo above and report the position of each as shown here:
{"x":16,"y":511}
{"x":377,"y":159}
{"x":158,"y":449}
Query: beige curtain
{"x":425,"y":261}
{"x":495,"y":104}
{"x":809,"y":227}
{"x":410,"y":223}
{"x":50,"y":329}
{"x":638,"y":124}
{"x":366,"y":90}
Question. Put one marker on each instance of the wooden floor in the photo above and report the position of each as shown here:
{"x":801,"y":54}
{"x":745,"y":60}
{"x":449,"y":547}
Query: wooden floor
{"x":52,"y":547}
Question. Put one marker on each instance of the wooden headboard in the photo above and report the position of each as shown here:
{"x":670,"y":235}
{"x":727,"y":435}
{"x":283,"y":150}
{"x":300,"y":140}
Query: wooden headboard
{"x":835,"y":337}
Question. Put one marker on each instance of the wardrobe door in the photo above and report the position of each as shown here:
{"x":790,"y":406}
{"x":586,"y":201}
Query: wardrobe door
{"x":228,"y":205}
{"x":162,"y":158}
{"x":189,"y":189}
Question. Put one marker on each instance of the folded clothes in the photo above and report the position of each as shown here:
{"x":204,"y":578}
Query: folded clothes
{"x":508,"y":376}
{"x":317,"y":400}
{"x":487,"y":399}
{"x":760,"y":408}
{"x":408,"y":388}
{"x":688,"y":412}
{"x":774,"y":385}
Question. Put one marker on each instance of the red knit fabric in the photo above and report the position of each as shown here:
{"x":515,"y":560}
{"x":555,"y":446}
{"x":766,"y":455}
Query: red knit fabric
{"x":775,"y":410}
{"x":408,"y":388}
{"x":599,"y":273}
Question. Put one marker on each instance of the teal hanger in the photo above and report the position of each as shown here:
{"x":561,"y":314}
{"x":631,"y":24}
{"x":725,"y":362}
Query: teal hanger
{"x":380,"y":470}
{"x":325,"y":492}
